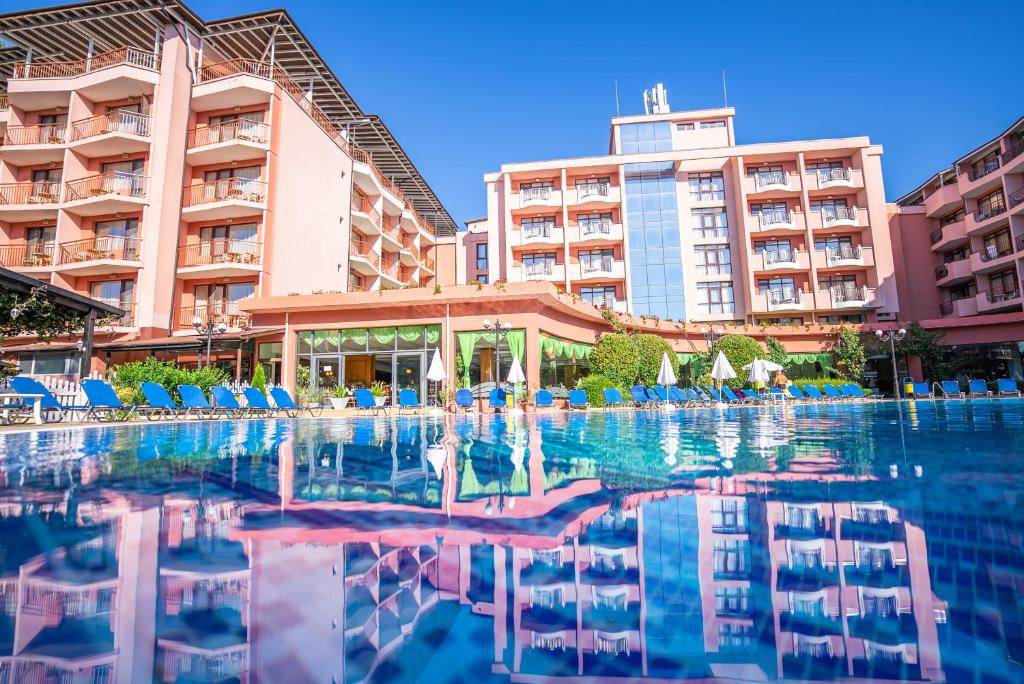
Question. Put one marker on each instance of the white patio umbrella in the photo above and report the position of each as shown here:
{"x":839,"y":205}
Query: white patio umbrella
{"x":516,"y":376}
{"x":666,"y":375}
{"x":722,"y":370}
{"x":436,"y":371}
{"x":769,"y":366}
{"x":436,"y":456}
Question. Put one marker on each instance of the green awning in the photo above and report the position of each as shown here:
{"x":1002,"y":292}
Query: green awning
{"x":826,"y":359}
{"x":551,"y":347}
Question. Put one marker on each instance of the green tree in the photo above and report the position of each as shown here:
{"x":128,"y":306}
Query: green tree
{"x":649,"y":350}
{"x":35,"y":315}
{"x":776,"y":352}
{"x":740,"y":350}
{"x":130,"y":376}
{"x":259,"y":378}
{"x":595,"y":385}
{"x":850,"y":355}
{"x":926,"y":345}
{"x":616,"y":357}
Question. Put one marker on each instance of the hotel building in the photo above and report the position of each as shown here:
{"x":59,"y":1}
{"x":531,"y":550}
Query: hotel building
{"x":176,"y":168}
{"x":678,"y":221}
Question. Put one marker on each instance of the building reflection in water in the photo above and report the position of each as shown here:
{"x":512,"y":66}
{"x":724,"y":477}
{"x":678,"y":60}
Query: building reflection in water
{"x":370,"y":549}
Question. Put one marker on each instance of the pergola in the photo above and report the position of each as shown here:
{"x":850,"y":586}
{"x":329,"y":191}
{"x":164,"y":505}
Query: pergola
{"x":91,"y":309}
{"x":76,"y":31}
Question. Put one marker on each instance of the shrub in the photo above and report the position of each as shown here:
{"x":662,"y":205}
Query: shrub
{"x":259,"y":379}
{"x":650,"y":350}
{"x":821,"y":382}
{"x":776,"y":352}
{"x":131,"y":375}
{"x":594,"y":385}
{"x":615,"y":356}
{"x":740,"y":350}
{"x":851,"y":357}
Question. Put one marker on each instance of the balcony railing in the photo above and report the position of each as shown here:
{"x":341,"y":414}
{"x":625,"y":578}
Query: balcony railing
{"x":535,"y":231}
{"x":223,"y":251}
{"x":116,"y":121}
{"x":1016,"y":197}
{"x":530,"y":194}
{"x":362,"y":204}
{"x":588,"y":228}
{"x":359,"y":248}
{"x":230,"y":313}
{"x":1019,"y":242}
{"x":936,"y":236}
{"x":124,"y":55}
{"x":104,"y":247}
{"x":993,"y":252}
{"x":834,"y":175}
{"x":1005,"y":295}
{"x":537,"y":269}
{"x":36,"y":192}
{"x":980,"y":216}
{"x":4,"y":106}
{"x":408,"y":246}
{"x":774,"y":217}
{"x":110,"y":183}
{"x":240,"y":129}
{"x":37,"y":134}
{"x":1012,"y":152}
{"x":405,"y":275}
{"x":597,"y":265}
{"x":783,"y":298}
{"x":585,"y":189}
{"x":391,"y":268}
{"x":976,"y":172}
{"x":393,"y":231}
{"x":764,"y":179}
{"x":833,"y":214}
{"x":601,"y":301}
{"x":242,"y":189}
{"x":428,"y":263}
{"x":941,"y":272}
{"x":30,"y":254}
{"x":844,"y":253}
{"x":780,"y":256}
{"x":849,"y":293}
{"x":946,"y":307}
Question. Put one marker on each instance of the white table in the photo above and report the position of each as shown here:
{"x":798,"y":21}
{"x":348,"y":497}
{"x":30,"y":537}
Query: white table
{"x":10,"y":398}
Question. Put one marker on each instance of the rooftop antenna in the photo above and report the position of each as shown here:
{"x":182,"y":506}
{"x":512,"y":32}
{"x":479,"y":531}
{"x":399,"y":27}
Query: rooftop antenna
{"x":725,"y":92}
{"x":656,"y":100}
{"x":617,"y":98}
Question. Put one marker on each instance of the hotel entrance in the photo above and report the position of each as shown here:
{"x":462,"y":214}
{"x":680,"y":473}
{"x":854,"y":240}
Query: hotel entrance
{"x":361,"y":357}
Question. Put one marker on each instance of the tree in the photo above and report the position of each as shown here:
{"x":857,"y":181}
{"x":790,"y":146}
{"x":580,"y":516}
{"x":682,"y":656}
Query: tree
{"x":926,"y":345}
{"x":740,"y":350}
{"x":851,"y":357}
{"x":259,"y":378}
{"x":650,"y":349}
{"x":776,"y":352}
{"x":616,"y":357}
{"x":34,"y":314}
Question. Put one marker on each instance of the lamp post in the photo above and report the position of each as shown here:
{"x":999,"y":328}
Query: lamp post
{"x":209,"y":330}
{"x":500,"y":330}
{"x":711,"y":335}
{"x":892,"y":337}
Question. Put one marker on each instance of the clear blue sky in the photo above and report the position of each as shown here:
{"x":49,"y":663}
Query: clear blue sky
{"x":467,"y":86}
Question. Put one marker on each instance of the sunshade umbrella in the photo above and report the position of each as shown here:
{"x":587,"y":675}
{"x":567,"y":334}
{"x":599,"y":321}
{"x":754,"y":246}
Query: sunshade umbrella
{"x":666,"y":375}
{"x":769,"y":366}
{"x":516,"y":376}
{"x":722,"y":370}
{"x":436,"y":371}
{"x":436,"y":456}
{"x":758,"y":371}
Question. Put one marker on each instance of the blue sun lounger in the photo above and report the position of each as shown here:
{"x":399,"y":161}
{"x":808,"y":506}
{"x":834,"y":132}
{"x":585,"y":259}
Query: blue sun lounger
{"x":408,"y":399}
{"x":288,"y":405}
{"x":813,"y":393}
{"x":104,"y":404}
{"x":543,"y":399}
{"x":951,"y":388}
{"x":161,"y":402}
{"x":196,"y":403}
{"x":223,"y":397}
{"x":639,"y":395}
{"x":613,"y":398}
{"x":256,"y":402}
{"x":578,"y":400}
{"x":796,"y":393}
{"x":1007,"y":387}
{"x":48,"y":404}
{"x":978,"y":388}
{"x":922,"y":391}
{"x":367,"y":402}
{"x":463,"y":399}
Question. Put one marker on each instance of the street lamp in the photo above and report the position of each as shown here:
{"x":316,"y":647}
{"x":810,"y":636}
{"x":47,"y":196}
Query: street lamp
{"x":500,"y":330}
{"x":209,"y":330}
{"x":711,"y":334}
{"x":892,"y":337}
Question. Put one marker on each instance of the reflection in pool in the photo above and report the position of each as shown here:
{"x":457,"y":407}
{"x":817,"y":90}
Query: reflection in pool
{"x":811,"y":542}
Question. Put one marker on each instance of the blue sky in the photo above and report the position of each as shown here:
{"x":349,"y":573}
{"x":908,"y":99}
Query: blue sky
{"x":467,"y":86}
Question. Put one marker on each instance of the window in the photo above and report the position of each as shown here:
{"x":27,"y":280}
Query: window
{"x":842,"y":281}
{"x":782,"y":284}
{"x":709,"y":223}
{"x":222,"y":297}
{"x":599,"y":296}
{"x":713,"y":259}
{"x":823,"y":165}
{"x":990,"y":205}
{"x":1003,"y":283}
{"x":731,"y":557}
{"x":39,"y":238}
{"x":595,"y":223}
{"x":687,"y":126}
{"x":481,"y":256}
{"x":588,"y":185}
{"x":955,"y":217}
{"x":732,"y":601}
{"x":656,"y":263}
{"x":845,"y":318}
{"x":772,"y":247}
{"x":549,"y":185}
{"x":115,"y":292}
{"x":596,"y":260}
{"x":963,"y":291}
{"x":236,"y":125}
{"x":539,"y":264}
{"x":828,"y":205}
{"x":46,"y":182}
{"x":712,"y":124}
{"x":119,"y":237}
{"x":958,"y":254}
{"x":754,"y":170}
{"x":646,"y":137}
{"x":729,"y":516}
{"x":997,"y":244}
{"x":49,"y":363}
{"x":715,"y":298}
{"x":707,"y":187}
{"x":539,"y":226}
{"x":735,"y":637}
{"x":785,"y":320}
{"x":984,"y":165}
{"x":769,"y":213}
{"x":482,"y":278}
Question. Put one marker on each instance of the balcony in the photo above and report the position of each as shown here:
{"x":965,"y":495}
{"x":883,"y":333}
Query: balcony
{"x":38,"y":144}
{"x":762,"y":182}
{"x":368,"y":177}
{"x":106,"y":193}
{"x":220,"y":259}
{"x":391,"y":272}
{"x":777,"y":219}
{"x":104,"y":255}
{"x":410,"y":254}
{"x":1012,"y":159}
{"x":121,"y":322}
{"x":427,"y":264}
{"x":392,"y":233}
{"x":536,"y":198}
{"x":594,"y":195}
{"x":116,"y":75}
{"x":961,"y":308}
{"x":974,"y":182}
{"x":362,"y":258}
{"x":32,"y":201}
{"x":29,"y":258}
{"x":594,"y":269}
{"x":607,"y":302}
{"x":594,"y":233}
{"x":365,"y":217}
{"x":954,"y":272}
{"x":822,"y":181}
{"x":846,"y":256}
{"x":407,"y":277}
{"x":229,"y":313}
{"x":848,"y":297}
{"x":226,"y":198}
{"x":220,"y":143}
{"x":942,"y":201}
{"x":992,"y":258}
{"x":838,"y":217}
{"x":949,"y":236}
{"x":1016,"y":201}
{"x":1002,"y":300}
{"x":980,"y":222}
{"x":544,"y":270}
{"x":233,"y":83}
{"x":540,"y":235}
{"x":781,"y":300}
{"x":111,"y":134}
{"x":780,"y":260}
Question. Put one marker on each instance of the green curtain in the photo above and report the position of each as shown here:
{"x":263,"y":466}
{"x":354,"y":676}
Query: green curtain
{"x":356,"y":335}
{"x":410,"y":333}
{"x":554,"y":347}
{"x":433,"y":334}
{"x":467,"y":342}
{"x":383,"y":335}
{"x":516,"y":343}
{"x":826,"y":359}
{"x":469,"y":486}
{"x":305,"y":342}
{"x":326,"y":341}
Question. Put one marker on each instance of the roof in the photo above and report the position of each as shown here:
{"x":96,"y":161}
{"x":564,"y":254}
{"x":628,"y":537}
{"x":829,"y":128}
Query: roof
{"x":63,"y":33}
{"x":16,"y":282}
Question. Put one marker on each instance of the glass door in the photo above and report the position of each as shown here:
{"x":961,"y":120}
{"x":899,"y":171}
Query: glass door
{"x":327,"y":370}
{"x":408,"y":375}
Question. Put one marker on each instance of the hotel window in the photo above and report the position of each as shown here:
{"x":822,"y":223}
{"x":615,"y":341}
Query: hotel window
{"x":598,"y":222}
{"x":550,"y":185}
{"x":116,"y":292}
{"x":958,"y":254}
{"x":482,"y":279}
{"x":964,"y":291}
{"x":688,"y":126}
{"x":990,"y":205}
{"x":845,"y":318}
{"x":772,"y":212}
{"x":712,"y":124}
{"x":222,"y":298}
{"x":779,"y":247}
{"x":816,"y":166}
{"x":40,"y":238}
{"x":835,"y":245}
{"x":481,"y":256}
{"x":221,"y":241}
{"x":985,"y":165}
{"x":222,"y":183}
{"x":715,"y":298}
{"x":735,"y":637}
{"x":772,"y":168}
{"x":707,"y":187}
{"x":1003,"y":282}
{"x":599,"y":296}
{"x":50,"y":363}
{"x":731,"y":557}
{"x":46,"y":182}
{"x":997,"y":244}
{"x":955,"y":217}
{"x":787,"y":320}
{"x":842,"y":281}
{"x":539,"y":264}
{"x":713,"y":259}
{"x":783,"y":284}
{"x":828,"y":205}
{"x":120,"y":237}
{"x":230,"y":126}
{"x":646,"y":137}
{"x":589,"y":184}
{"x":709,"y":223}
{"x":732,"y":601}
{"x":538,"y":226}
{"x":729,"y":516}
{"x":596,"y":260}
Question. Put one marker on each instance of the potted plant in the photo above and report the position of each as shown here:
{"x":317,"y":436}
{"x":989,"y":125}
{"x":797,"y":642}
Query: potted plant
{"x":380,"y":391}
{"x":339,"y":397}
{"x":526,"y":402}
{"x":445,"y":396}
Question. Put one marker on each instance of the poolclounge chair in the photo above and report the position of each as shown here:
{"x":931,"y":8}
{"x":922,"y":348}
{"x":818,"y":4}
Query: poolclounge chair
{"x":543,"y":399}
{"x":408,"y":400}
{"x":1007,"y":387}
{"x":367,"y":402}
{"x":104,"y":403}
{"x":463,"y":399}
{"x":731,"y":396}
{"x":832,"y":392}
{"x":814,"y":393}
{"x":639,"y":395}
{"x":224,"y":399}
{"x":796,"y":393}
{"x":196,"y":403}
{"x":160,"y":401}
{"x":49,"y":405}
{"x":498,"y":399}
{"x":922,"y":391}
{"x":978,"y":388}
{"x":679,"y":397}
{"x":951,"y":388}
{"x":613,"y":397}
{"x":256,"y":402}
{"x":291,"y":409}
{"x":578,"y":400}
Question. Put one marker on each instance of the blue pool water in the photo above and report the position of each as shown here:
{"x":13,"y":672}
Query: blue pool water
{"x":880,"y":541}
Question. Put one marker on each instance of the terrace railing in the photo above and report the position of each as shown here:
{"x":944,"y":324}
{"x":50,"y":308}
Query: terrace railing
{"x":103,"y":247}
{"x":1012,"y":152}
{"x":36,"y":134}
{"x":116,"y":121}
{"x":602,"y":264}
{"x":980,"y":216}
{"x":763,"y":179}
{"x":599,"y":227}
{"x":974,"y":172}
{"x":243,"y":189}
{"x":993,"y":252}
{"x":849,"y":293}
{"x":240,"y":129}
{"x":941,"y":272}
{"x":834,"y":175}
{"x":831,"y":214}
{"x":230,"y":313}
{"x":110,"y":183}
{"x":1016,"y":197}
{"x":844,"y":253}
{"x":125,"y":55}
{"x":529,"y":194}
{"x":936,"y":236}
{"x":30,"y":254}
{"x":598,"y":189}
{"x":1004,"y":295}
{"x":360,"y":248}
{"x":224,"y":251}
{"x":35,"y":192}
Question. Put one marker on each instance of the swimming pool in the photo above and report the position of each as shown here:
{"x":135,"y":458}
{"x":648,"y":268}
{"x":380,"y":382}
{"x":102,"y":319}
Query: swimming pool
{"x":875,"y":540}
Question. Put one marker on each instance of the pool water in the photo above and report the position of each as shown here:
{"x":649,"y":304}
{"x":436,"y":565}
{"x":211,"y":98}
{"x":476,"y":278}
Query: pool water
{"x":880,"y":541}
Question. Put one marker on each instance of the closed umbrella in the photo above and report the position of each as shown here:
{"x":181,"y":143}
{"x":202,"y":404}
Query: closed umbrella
{"x":436,"y":456}
{"x":436,"y":371}
{"x":516,"y":376}
{"x":666,"y":375}
{"x":758,"y":372}
{"x":722,"y":370}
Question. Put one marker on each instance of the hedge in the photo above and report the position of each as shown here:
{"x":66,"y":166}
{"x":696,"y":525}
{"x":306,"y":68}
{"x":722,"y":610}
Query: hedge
{"x":595,"y":384}
{"x":616,"y":357}
{"x":131,"y":375}
{"x":741,"y":351}
{"x":650,"y":351}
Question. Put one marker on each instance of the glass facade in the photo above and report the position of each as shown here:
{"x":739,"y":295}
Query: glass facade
{"x":656,"y":267}
{"x":646,"y":137}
